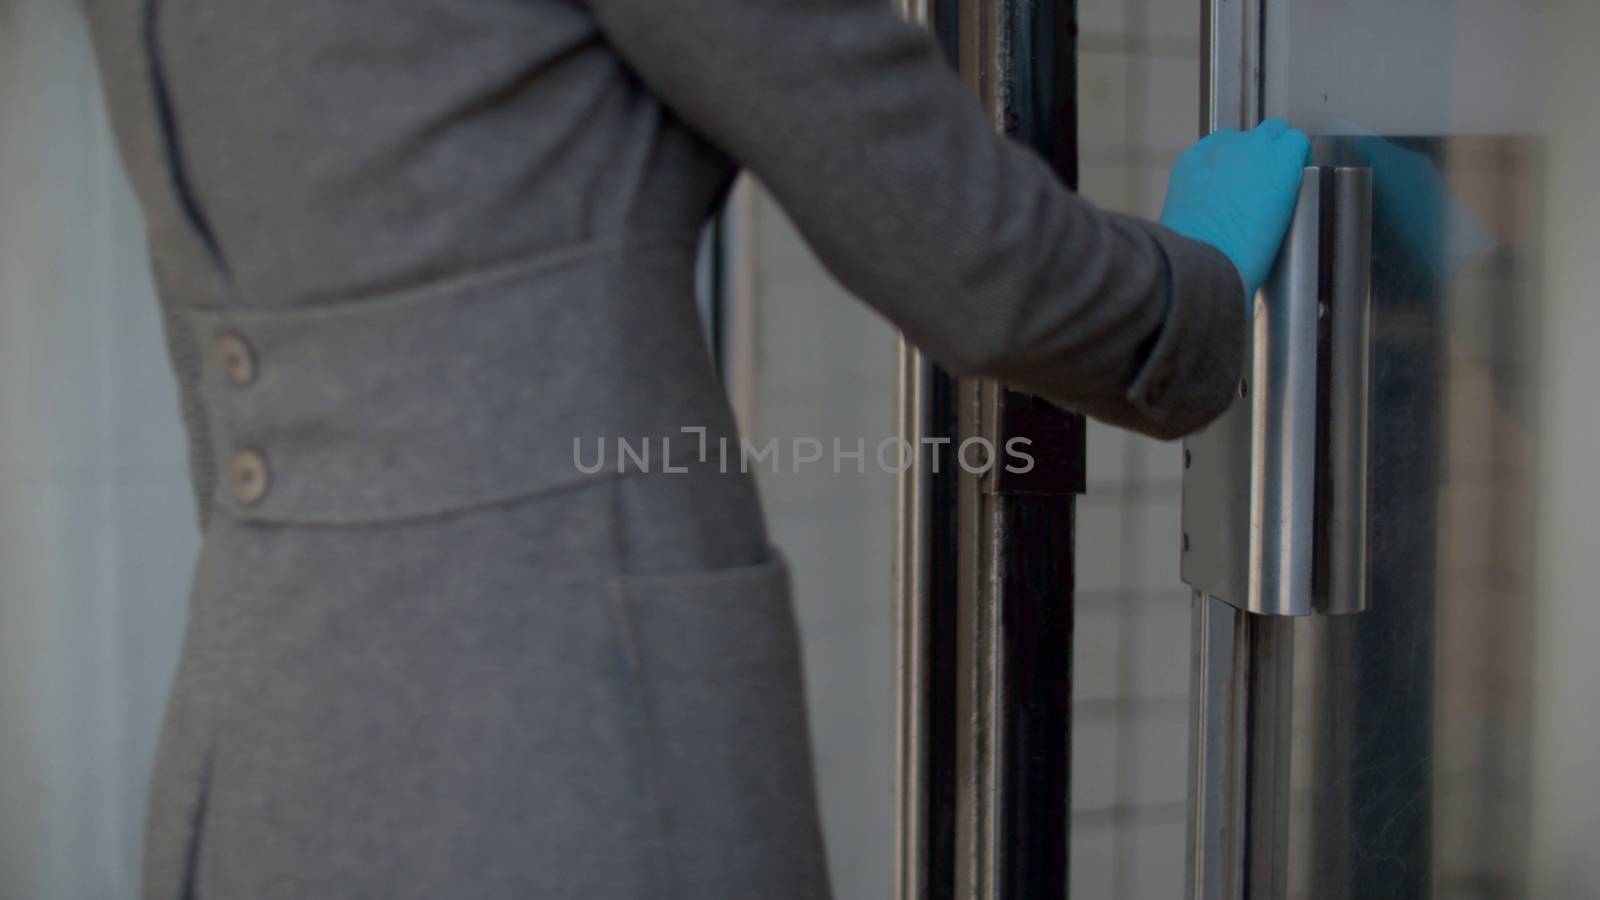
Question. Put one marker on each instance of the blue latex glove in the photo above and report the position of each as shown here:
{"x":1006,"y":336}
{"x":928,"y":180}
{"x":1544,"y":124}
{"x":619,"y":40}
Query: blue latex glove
{"x":1236,"y":191}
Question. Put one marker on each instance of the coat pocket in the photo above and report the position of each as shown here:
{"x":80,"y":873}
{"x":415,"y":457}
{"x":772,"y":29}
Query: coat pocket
{"x":715,"y":662}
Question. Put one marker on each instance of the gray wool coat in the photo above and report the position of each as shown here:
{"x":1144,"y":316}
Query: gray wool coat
{"x":408,"y":251}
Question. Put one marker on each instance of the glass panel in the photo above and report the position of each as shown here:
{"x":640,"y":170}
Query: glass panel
{"x":806,"y":362}
{"x":1139,"y":75}
{"x":1439,"y":745}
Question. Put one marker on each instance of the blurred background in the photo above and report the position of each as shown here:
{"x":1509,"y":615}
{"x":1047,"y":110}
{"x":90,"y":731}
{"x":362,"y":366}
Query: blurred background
{"x":97,"y":522}
{"x":97,"y":534}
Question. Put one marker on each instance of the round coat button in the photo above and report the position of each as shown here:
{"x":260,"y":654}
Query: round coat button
{"x":238,"y":362}
{"x":248,"y":476}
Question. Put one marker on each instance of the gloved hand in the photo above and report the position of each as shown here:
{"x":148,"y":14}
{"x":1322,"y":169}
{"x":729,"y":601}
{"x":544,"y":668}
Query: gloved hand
{"x":1236,"y":191}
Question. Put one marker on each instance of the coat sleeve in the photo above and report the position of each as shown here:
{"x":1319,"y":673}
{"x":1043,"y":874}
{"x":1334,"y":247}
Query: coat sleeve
{"x":962,"y":238}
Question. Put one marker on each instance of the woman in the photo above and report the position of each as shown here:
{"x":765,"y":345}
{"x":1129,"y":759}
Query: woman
{"x":410,"y":251}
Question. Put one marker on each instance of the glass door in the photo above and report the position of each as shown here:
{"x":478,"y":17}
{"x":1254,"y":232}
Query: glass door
{"x":1436,"y":744}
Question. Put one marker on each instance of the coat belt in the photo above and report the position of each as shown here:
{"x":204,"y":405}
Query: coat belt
{"x":456,"y":394}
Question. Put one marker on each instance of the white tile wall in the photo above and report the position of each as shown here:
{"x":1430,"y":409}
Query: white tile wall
{"x":1138,"y":107}
{"x":1102,"y":17}
{"x":1109,"y":186}
{"x":826,"y":367}
{"x":1093,"y":848}
{"x":1155,"y":749}
{"x":1153,"y":857}
{"x":1102,"y":529}
{"x":1161,"y":620}
{"x":1103,"y":87}
{"x":1097,"y":651}
{"x":1167,"y":115}
{"x":1096,"y":747}
{"x":1170,"y":20}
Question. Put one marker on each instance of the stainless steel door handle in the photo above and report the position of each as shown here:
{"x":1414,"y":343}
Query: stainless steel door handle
{"x":1275,"y":491}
